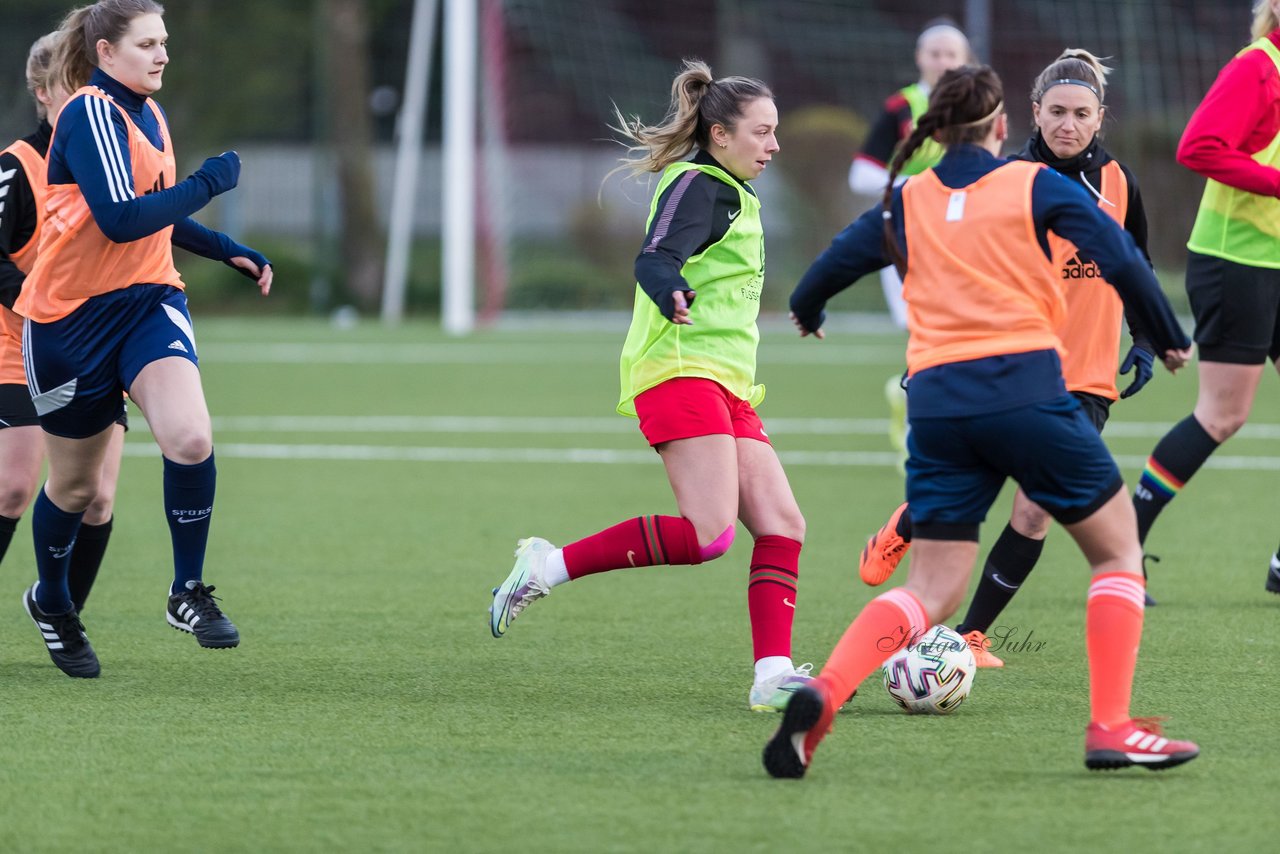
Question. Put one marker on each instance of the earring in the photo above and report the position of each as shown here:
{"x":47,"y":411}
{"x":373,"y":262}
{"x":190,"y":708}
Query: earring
{"x":724,"y":145}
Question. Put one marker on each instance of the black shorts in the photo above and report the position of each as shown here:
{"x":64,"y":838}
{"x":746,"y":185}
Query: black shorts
{"x":1237,"y":310}
{"x":17,"y":410}
{"x":1096,"y":408}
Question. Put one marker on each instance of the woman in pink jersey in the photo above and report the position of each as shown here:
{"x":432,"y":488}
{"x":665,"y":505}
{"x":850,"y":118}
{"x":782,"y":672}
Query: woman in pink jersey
{"x":1233,"y":264}
{"x":106,"y":313}
{"x":22,"y":187}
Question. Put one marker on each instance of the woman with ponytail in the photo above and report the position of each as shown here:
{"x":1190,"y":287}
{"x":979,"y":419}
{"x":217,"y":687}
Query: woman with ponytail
{"x":106,"y":313}
{"x":688,"y":374}
{"x":1233,"y":264}
{"x":981,"y":242}
{"x":23,"y":191}
{"x":940,"y":47}
{"x":1067,"y":103}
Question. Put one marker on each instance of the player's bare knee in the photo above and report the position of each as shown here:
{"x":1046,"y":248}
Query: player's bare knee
{"x":190,"y":448}
{"x":1031,"y":521}
{"x":73,"y":496}
{"x":99,"y":510}
{"x":794,"y":527}
{"x":15,"y":498}
{"x":1222,"y":423}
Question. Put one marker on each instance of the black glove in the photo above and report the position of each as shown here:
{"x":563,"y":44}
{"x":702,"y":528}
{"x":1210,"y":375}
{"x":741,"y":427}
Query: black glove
{"x":666,"y":301}
{"x":220,"y":173}
{"x":1143,"y":360}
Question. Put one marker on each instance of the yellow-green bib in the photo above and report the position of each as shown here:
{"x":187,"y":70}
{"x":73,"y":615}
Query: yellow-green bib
{"x":1235,"y":224}
{"x":721,"y":343}
{"x":930,"y":151}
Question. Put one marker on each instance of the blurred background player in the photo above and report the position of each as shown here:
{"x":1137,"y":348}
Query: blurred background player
{"x":1233,"y":264}
{"x":105,"y":313}
{"x":940,"y":47}
{"x":1067,"y":106}
{"x":974,"y":238}
{"x":688,"y":374}
{"x":22,"y":188}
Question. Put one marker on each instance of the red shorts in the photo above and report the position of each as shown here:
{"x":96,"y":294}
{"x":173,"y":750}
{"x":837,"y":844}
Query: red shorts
{"x":685,"y":407}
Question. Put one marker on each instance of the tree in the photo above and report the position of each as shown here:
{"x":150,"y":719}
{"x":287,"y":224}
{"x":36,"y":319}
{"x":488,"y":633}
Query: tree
{"x":346,"y":36}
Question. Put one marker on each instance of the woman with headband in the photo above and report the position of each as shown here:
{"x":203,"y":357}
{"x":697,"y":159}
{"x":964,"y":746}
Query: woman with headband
{"x":1067,"y":104}
{"x":940,"y":47}
{"x":980,"y":242}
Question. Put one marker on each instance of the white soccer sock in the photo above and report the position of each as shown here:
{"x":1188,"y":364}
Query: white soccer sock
{"x":554,"y":571}
{"x":772,"y":665}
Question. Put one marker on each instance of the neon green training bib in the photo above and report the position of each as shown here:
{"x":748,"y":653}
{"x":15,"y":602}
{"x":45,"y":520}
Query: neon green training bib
{"x":1235,"y":224}
{"x":721,"y":343}
{"x":930,"y":151}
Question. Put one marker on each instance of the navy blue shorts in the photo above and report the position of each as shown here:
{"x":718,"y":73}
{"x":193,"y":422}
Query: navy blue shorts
{"x":958,"y":465}
{"x":78,"y":366}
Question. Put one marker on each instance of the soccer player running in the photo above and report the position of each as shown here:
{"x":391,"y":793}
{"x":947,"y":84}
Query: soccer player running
{"x":1233,"y":264}
{"x":22,"y":189}
{"x":105,"y":313}
{"x":974,"y":239}
{"x":688,"y":374}
{"x":1067,"y":104}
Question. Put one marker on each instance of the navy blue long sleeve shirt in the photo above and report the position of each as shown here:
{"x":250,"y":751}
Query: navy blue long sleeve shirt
{"x":998,"y":382}
{"x":88,"y":152}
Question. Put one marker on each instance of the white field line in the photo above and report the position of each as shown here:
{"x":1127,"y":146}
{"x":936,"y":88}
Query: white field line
{"x":594,"y":456}
{"x":609,"y":425}
{"x":508,"y":353}
{"x":507,"y":425}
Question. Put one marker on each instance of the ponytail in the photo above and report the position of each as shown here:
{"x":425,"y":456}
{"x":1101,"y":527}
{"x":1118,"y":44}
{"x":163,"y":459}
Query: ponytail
{"x":39,"y":60}
{"x":75,"y":54}
{"x":1264,"y":19}
{"x":72,"y":62}
{"x":962,"y":108}
{"x":698,"y":102}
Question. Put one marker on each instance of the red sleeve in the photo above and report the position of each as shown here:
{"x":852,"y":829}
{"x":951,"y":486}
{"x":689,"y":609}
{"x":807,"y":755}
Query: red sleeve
{"x":1239,"y":116}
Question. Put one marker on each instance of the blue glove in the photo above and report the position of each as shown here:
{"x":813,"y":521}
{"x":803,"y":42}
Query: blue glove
{"x":220,"y":173}
{"x":253,"y":255}
{"x":1143,"y":361}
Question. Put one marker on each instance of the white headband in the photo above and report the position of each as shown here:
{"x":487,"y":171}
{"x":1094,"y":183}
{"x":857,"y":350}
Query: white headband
{"x":938,"y":29}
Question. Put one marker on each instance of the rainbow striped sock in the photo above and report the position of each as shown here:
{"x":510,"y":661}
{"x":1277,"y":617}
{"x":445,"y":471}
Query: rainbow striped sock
{"x":1160,"y":481}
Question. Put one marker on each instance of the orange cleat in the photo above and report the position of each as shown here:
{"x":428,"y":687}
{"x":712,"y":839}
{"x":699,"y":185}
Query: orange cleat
{"x":1135,"y":742}
{"x":884,"y":551}
{"x":981,"y":646}
{"x":806,"y":722}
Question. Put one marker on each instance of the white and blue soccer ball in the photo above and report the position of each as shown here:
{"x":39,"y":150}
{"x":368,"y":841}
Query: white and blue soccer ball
{"x":933,"y":675}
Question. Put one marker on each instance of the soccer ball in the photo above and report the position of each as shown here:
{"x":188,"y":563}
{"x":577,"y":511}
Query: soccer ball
{"x":933,"y":675}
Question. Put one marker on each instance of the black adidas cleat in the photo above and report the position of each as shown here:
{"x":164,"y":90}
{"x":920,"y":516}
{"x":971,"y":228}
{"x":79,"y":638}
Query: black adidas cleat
{"x":1273,"y":575}
{"x":64,"y":638}
{"x":195,"y":610}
